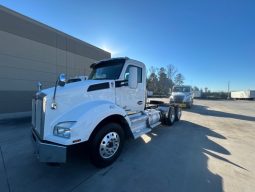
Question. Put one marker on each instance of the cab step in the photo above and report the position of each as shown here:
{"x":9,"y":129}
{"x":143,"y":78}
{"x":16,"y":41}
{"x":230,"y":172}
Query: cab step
{"x":138,"y":132}
{"x":138,"y":118}
{"x":139,"y":124}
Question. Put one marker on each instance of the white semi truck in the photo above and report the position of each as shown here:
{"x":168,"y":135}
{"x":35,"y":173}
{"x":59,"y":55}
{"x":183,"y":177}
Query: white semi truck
{"x":102,"y":111}
{"x":182,"y":95}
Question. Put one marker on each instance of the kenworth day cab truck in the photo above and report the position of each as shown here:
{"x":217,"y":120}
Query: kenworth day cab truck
{"x":103,"y":111}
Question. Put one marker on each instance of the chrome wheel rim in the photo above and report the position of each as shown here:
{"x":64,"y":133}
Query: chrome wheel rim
{"x":109,"y":145}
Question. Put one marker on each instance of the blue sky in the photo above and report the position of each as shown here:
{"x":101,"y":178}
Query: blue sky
{"x":210,"y":42}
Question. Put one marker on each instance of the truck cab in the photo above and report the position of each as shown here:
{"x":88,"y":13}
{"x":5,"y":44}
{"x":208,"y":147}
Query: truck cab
{"x":101,"y":111}
{"x":182,"y":95}
{"x":129,"y":87}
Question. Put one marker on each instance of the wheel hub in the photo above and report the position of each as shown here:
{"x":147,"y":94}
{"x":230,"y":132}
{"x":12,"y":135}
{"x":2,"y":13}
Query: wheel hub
{"x":109,"y":145}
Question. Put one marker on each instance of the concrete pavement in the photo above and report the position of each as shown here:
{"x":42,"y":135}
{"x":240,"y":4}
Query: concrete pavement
{"x":210,"y":149}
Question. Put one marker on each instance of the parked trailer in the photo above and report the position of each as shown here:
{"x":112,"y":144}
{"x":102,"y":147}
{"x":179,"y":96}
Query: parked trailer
{"x":248,"y":94}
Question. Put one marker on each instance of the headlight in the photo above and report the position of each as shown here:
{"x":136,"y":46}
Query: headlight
{"x":63,"y":129}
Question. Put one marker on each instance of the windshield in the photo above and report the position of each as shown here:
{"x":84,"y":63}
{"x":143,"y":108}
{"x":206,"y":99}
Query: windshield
{"x":181,"y":89}
{"x":109,"y":70}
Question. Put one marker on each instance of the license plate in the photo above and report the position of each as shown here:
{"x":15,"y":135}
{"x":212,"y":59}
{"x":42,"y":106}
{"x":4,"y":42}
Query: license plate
{"x":182,"y":105}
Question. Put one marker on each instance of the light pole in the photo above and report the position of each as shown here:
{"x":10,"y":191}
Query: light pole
{"x":228,"y":89}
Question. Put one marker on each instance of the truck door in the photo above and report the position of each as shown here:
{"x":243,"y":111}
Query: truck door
{"x":132,"y":100}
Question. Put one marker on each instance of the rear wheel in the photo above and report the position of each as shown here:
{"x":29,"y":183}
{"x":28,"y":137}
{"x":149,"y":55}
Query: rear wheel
{"x":170,"y":116}
{"x":106,"y":145}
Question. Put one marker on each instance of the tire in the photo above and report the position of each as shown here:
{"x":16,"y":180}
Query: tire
{"x":170,"y":118}
{"x":178,"y":113}
{"x":112,"y":135}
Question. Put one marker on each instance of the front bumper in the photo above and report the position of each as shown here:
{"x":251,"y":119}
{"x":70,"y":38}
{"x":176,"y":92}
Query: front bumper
{"x":181,"y":104}
{"x":48,"y":152}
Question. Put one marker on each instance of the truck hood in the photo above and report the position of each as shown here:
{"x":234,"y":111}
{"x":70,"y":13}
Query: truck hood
{"x":77,"y":95}
{"x":76,"y":87}
{"x":179,"y":94}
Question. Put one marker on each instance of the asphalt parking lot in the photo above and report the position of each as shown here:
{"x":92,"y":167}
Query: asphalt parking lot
{"x":211,"y":149}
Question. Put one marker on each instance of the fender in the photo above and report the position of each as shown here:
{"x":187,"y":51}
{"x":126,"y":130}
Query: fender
{"x":95,"y":110}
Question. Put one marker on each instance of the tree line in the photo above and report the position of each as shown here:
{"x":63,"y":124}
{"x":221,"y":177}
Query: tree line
{"x":161,"y":80}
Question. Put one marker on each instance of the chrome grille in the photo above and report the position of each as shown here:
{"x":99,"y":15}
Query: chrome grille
{"x":38,"y":115}
{"x":178,"y":98}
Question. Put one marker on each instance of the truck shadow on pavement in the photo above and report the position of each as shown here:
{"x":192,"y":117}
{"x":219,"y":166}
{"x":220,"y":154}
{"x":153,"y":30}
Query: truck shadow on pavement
{"x":171,"y":159}
{"x":180,"y":159}
{"x":167,"y":159}
{"x":203,"y":110}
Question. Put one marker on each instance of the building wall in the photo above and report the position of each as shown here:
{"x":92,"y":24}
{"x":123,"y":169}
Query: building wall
{"x":32,"y":52}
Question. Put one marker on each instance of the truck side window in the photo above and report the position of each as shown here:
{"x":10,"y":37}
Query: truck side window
{"x":139,"y":74}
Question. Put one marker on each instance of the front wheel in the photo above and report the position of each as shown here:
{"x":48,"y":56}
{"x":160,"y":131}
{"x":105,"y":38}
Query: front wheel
{"x":106,"y":145}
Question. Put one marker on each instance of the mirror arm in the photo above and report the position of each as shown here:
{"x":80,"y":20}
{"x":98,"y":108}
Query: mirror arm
{"x":121,"y":83}
{"x":53,"y":104}
{"x":61,"y":82}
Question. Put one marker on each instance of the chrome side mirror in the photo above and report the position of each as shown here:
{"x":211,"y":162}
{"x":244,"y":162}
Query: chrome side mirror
{"x":62,"y":80}
{"x":132,"y":78}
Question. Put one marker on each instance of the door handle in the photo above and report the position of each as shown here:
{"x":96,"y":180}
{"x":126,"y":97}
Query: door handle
{"x":140,"y":102}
